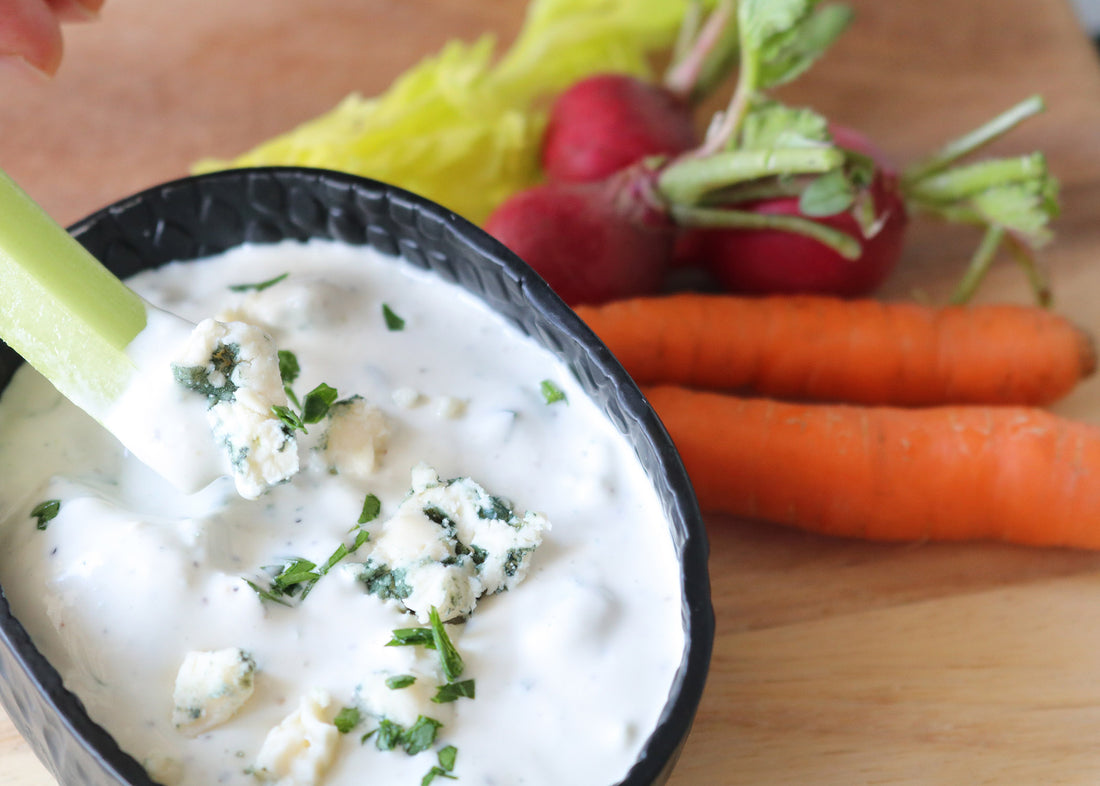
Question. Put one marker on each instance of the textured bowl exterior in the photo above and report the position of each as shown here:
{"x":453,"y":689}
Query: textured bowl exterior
{"x":199,"y":216}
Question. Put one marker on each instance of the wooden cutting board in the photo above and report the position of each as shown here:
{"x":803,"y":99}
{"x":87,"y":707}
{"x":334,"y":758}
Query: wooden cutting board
{"x":836,"y":662}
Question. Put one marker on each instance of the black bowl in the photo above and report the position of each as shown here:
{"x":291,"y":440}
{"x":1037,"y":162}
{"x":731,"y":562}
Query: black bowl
{"x":204,"y":215}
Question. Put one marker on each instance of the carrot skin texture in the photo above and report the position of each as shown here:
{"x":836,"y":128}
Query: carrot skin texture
{"x":1014,"y":474}
{"x":864,"y":351}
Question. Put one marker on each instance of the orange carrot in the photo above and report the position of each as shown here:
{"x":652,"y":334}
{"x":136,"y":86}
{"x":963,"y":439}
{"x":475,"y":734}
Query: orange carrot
{"x":1016,"y":474}
{"x":857,"y":351}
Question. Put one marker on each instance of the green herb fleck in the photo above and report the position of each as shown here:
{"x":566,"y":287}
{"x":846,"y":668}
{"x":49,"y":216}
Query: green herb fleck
{"x":551,"y":393}
{"x":412,"y":637}
{"x":266,"y":594}
{"x":361,"y":537}
{"x":449,"y":658}
{"x":417,"y":738}
{"x":45,"y":512}
{"x":317,"y":403}
{"x":346,"y":719}
{"x":453,"y":691}
{"x":400,"y":681}
{"x":259,"y":286}
{"x":393,"y":322}
{"x":421,"y":735}
{"x":436,"y":772}
{"x":447,"y":755}
{"x":296,"y":577}
{"x":288,"y":366}
{"x":295,"y":572}
{"x":372,"y":506}
{"x":291,"y":419}
{"x":288,"y":372}
{"x":388,"y":736}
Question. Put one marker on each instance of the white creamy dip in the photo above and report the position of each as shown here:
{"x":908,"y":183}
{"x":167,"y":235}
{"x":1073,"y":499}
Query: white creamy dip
{"x":132,"y":579}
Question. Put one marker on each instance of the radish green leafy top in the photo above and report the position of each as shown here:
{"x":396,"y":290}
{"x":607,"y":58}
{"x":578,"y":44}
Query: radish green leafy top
{"x":462,"y":127}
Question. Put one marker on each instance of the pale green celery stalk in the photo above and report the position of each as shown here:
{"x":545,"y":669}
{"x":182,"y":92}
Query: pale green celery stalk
{"x":73,"y":321}
{"x":63,"y":312}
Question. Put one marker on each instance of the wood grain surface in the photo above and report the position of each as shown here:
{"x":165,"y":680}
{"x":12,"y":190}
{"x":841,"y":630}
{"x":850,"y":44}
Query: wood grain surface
{"x":836,"y":662}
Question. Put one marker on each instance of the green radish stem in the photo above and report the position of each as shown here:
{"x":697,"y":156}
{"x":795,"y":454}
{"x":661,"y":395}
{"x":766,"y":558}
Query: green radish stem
{"x":689,"y":179}
{"x":725,"y":218}
{"x":973,"y":141}
{"x":704,"y":52}
{"x":979,"y":265}
{"x":978,"y":193}
{"x":63,"y":312}
{"x":966,"y":180}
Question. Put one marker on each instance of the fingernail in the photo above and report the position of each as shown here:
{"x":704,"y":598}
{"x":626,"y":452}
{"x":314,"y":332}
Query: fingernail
{"x":18,"y":67}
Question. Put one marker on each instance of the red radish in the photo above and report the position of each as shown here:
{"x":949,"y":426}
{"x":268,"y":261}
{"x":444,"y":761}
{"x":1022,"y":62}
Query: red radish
{"x":762,"y":261}
{"x":607,"y":122}
{"x":592,"y":242}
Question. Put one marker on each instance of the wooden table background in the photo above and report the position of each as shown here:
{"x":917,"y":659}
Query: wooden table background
{"x":836,"y":662}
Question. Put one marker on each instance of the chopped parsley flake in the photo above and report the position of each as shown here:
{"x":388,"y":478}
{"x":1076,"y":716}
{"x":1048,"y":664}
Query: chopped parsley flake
{"x":412,"y":637}
{"x":289,"y":369}
{"x":291,"y":419}
{"x":288,"y":372}
{"x":295,"y":572}
{"x":393,"y":322}
{"x":313,"y":409}
{"x":317,"y":403}
{"x":346,"y":719}
{"x":551,"y":393}
{"x":45,"y":512}
{"x":453,"y":691}
{"x":449,"y":658}
{"x":388,"y":735}
{"x":400,"y":681}
{"x":259,"y":286}
{"x":421,"y":735}
{"x":372,"y":506}
{"x":296,"y":577}
{"x":417,"y":738}
{"x":447,"y":755}
{"x":434,"y":638}
{"x":436,"y":772}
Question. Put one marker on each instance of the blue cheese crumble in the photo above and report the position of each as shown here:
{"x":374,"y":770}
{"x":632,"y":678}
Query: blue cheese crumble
{"x":210,"y":688}
{"x":300,"y":750}
{"x":447,"y":544}
{"x":236,"y":366}
{"x":355,"y":439}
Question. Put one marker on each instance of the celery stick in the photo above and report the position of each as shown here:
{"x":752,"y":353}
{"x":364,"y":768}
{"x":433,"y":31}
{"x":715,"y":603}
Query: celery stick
{"x":63,"y":312}
{"x":82,"y":329}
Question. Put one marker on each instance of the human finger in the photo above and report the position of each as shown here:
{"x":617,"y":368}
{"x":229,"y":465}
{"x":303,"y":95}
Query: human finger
{"x":30,"y":35}
{"x":75,"y":10}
